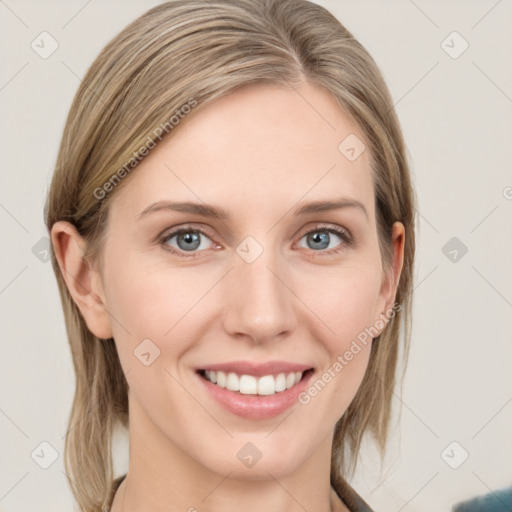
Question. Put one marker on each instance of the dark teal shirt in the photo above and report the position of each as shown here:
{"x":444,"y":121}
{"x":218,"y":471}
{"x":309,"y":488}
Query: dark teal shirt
{"x":498,"y":501}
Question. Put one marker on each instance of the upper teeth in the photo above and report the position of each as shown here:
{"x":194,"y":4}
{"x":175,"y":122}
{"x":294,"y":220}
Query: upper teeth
{"x":250,"y":385}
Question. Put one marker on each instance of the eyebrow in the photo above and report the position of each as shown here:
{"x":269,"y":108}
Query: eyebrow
{"x":206,"y":210}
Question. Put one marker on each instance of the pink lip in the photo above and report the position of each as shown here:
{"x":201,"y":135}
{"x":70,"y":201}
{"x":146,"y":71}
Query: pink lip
{"x":255,"y":407}
{"x":257,"y":369}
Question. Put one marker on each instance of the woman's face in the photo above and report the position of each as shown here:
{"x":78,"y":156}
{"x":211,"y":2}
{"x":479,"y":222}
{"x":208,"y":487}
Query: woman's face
{"x":249,"y":294}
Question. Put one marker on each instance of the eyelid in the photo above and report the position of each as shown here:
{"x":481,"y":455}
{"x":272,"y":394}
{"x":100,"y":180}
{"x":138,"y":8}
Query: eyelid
{"x":175,"y":230}
{"x":320,"y":226}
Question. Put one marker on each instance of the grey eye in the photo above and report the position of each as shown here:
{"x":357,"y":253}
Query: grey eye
{"x":320,"y":239}
{"x":187,"y":240}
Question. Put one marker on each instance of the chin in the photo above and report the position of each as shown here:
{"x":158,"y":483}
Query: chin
{"x":253,"y":457}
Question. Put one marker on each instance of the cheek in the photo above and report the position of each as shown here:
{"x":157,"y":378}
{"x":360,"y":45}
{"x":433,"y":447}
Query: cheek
{"x":345,"y":303}
{"x":148,"y":301}
{"x":348,"y":310}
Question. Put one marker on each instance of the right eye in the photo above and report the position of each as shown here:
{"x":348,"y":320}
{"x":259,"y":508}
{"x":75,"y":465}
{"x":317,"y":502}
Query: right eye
{"x":185,"y":240}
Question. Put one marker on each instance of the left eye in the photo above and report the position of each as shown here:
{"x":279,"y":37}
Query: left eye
{"x":320,"y":239}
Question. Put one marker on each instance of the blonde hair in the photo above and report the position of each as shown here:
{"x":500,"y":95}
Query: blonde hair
{"x":205,"y":49}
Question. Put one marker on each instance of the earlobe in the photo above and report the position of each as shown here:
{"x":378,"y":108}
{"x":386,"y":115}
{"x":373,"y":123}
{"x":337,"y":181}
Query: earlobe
{"x":82,"y":281}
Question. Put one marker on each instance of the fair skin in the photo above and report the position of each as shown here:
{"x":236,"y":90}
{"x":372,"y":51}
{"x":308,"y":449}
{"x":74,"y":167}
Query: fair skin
{"x":258,"y":153}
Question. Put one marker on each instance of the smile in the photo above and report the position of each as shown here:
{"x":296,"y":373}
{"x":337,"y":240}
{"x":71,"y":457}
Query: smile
{"x":255,"y":390}
{"x":252,"y":385}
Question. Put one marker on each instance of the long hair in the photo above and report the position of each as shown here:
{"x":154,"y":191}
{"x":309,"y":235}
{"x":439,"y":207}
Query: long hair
{"x":205,"y":49}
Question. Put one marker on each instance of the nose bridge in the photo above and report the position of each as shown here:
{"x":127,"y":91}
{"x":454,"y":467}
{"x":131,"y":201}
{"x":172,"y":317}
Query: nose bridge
{"x":259,"y":303}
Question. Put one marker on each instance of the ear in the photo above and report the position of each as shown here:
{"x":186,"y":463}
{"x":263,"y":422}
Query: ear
{"x":83,"y":282}
{"x":392,"y":276}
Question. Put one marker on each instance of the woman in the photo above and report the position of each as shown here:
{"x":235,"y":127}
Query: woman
{"x":232,"y":222}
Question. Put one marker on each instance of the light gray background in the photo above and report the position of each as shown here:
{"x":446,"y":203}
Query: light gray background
{"x":456,"y":116}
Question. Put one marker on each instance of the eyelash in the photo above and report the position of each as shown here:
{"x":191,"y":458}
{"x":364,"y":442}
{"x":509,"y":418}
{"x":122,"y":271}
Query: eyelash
{"x":341,"y":232}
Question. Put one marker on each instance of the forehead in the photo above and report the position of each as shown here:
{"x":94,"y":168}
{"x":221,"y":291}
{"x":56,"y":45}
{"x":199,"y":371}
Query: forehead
{"x":262,"y":146}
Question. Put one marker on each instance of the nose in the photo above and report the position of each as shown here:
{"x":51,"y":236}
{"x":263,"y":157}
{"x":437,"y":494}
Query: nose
{"x":260,"y":304}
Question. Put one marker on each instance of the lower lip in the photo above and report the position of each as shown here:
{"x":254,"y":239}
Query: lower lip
{"x":256,"y":406}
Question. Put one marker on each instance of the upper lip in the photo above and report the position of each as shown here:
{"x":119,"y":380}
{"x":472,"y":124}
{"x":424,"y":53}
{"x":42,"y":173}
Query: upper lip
{"x":257,"y":369}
